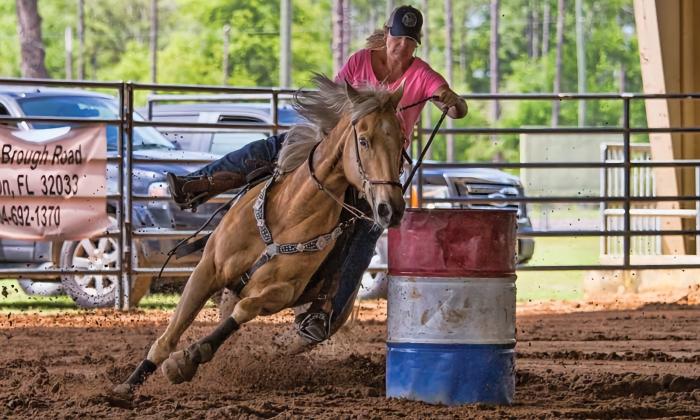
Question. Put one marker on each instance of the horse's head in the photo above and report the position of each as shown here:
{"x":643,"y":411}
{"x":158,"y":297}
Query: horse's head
{"x":372,"y":152}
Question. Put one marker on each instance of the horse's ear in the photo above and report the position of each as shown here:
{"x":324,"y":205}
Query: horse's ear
{"x":352,"y":93}
{"x":397,"y":94}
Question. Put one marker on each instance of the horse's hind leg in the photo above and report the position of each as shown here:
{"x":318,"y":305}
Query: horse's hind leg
{"x":199,"y":288}
{"x":182,"y":365}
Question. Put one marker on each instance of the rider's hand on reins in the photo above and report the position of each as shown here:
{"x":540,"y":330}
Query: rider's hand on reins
{"x":448,"y":99}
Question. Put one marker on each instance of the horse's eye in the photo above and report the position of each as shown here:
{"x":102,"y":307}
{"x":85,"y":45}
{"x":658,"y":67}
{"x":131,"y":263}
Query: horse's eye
{"x":364,"y":142}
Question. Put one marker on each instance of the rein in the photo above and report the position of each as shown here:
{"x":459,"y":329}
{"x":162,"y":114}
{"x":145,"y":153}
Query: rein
{"x":424,"y":151}
{"x":427,"y":145}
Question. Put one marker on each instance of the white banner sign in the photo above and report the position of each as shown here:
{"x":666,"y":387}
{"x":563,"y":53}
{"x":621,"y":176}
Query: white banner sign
{"x":53,"y":183}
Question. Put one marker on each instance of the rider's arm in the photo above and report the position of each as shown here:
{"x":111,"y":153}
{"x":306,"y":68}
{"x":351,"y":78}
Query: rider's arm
{"x":457,"y":107}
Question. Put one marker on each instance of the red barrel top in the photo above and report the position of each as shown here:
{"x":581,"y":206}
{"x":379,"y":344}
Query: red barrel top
{"x":454,"y":243}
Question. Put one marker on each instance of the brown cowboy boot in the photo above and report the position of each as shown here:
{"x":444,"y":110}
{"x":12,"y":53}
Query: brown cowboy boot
{"x":188,"y":192}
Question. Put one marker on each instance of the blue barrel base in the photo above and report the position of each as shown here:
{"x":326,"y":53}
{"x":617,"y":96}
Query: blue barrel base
{"x":451,"y":374}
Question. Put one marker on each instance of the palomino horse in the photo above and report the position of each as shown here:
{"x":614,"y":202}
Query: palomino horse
{"x":353,"y":138}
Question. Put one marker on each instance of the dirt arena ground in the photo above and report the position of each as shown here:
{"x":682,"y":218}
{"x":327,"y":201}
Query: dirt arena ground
{"x":573,"y":361}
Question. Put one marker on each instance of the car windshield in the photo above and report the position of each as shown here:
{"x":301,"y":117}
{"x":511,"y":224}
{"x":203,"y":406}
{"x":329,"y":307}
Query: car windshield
{"x":75,"y":106}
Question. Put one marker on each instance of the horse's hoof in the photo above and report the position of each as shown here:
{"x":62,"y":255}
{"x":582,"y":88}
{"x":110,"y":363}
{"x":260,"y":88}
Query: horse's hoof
{"x":179,"y":367}
{"x":123,"y":391}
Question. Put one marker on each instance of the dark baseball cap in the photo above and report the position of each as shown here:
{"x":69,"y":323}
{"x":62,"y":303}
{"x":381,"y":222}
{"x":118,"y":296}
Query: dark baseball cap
{"x":406,"y":21}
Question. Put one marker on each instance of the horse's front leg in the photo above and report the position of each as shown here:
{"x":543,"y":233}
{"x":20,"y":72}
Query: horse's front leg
{"x":200,"y":287}
{"x":181,"y":366}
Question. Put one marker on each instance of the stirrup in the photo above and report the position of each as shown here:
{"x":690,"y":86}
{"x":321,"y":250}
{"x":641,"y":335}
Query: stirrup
{"x":305,"y":320}
{"x":185,"y":200}
{"x":192,"y":202}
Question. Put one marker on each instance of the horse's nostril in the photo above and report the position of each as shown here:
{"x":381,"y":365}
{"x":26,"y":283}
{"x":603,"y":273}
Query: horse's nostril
{"x":384,"y":210}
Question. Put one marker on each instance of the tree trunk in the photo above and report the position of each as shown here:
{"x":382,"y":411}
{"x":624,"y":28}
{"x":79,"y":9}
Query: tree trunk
{"x":69,"y":52}
{"x":81,"y":39}
{"x":580,"y":63}
{"x":535,"y":30}
{"x":31,"y":44}
{"x":546,"y":16}
{"x":286,"y":43}
{"x":390,"y":7}
{"x":347,"y":33}
{"x":557,"y":74}
{"x":493,"y":61}
{"x":337,"y":42}
{"x":154,"y":41}
{"x":225,"y":58}
{"x":425,"y":51}
{"x":529,"y":30}
{"x":448,"y":70}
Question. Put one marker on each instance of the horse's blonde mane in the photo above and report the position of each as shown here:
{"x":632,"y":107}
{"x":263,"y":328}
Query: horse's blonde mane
{"x":322,"y":109}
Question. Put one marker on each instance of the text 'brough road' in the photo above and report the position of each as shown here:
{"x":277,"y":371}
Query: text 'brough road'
{"x":34,"y":158}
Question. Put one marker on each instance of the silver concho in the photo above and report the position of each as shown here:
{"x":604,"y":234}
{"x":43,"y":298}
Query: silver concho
{"x":271,"y":250}
{"x":409,"y":20}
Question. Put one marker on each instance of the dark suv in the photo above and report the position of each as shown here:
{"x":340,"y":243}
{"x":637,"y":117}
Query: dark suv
{"x":148,"y":179}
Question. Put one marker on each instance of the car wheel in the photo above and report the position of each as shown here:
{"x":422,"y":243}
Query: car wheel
{"x":90,"y":290}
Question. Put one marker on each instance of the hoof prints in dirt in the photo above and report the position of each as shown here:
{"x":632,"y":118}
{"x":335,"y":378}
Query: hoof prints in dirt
{"x":612,"y":386}
{"x":266,"y":410}
{"x":650,"y":356}
{"x":292,"y":372}
{"x":118,"y":374}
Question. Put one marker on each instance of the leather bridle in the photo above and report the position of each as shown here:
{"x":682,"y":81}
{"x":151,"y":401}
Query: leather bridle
{"x":366,"y":180}
{"x":361,"y":169}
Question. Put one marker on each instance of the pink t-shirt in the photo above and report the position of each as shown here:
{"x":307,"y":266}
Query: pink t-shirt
{"x":421,"y":82}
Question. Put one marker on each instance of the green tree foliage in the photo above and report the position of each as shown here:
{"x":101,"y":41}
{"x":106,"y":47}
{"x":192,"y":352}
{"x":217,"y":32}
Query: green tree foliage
{"x":9,"y":41}
{"x":190,"y":51}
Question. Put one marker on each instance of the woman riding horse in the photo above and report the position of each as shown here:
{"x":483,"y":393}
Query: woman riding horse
{"x":387,"y":61}
{"x":270,"y":243}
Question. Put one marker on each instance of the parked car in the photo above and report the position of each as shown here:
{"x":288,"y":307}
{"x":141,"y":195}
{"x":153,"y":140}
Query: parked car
{"x":219,"y":141}
{"x":437,"y":183}
{"x":148,"y":179}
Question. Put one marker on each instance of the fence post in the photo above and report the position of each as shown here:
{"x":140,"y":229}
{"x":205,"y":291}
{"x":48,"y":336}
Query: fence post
{"x":627,"y":183}
{"x":697,"y":210}
{"x":127,"y":165}
{"x":118,"y":290}
{"x":274,"y":112}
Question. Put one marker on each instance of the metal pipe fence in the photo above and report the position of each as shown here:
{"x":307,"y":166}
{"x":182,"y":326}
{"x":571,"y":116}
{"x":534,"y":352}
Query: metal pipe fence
{"x":128,"y":265}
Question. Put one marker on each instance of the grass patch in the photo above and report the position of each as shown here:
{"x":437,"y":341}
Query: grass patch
{"x":557,"y":285}
{"x":161,"y":301}
{"x":532,"y":285}
{"x":13,"y":299}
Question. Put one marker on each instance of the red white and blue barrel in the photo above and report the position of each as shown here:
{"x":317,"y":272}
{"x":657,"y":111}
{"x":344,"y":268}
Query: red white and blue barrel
{"x":451,"y":307}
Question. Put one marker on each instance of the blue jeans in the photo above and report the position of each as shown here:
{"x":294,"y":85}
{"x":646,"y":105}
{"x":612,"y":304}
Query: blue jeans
{"x":242,"y":160}
{"x":353,"y":250}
